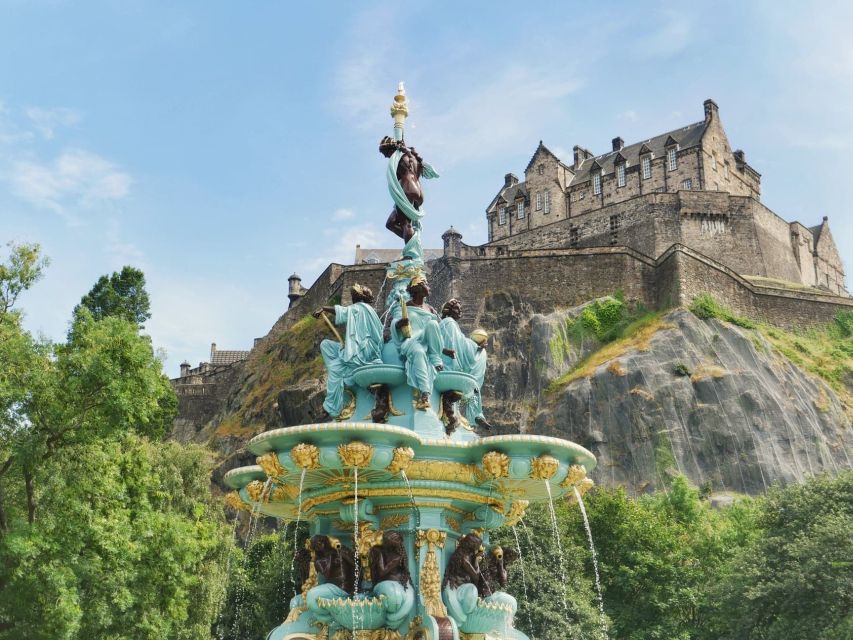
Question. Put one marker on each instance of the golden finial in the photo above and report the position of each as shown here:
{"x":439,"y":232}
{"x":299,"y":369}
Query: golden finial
{"x":400,"y":107}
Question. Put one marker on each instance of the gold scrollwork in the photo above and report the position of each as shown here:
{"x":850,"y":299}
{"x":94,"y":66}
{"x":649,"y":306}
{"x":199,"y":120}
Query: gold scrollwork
{"x":544,"y":467}
{"x":234,"y":501}
{"x":401,"y":460}
{"x":575,"y":475}
{"x":284,"y":492}
{"x":452,"y":522}
{"x":349,"y":410}
{"x":393,"y":521}
{"x":428,"y":492}
{"x":430,"y":576}
{"x":496,"y":464}
{"x":306,"y":456}
{"x":270,"y":464}
{"x":516,"y":512}
{"x":355,"y":454}
{"x":446,"y":471}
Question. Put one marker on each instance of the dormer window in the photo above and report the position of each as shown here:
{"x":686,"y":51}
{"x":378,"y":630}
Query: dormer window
{"x":620,"y":175}
{"x":596,"y":184}
{"x":647,"y":167}
{"x":547,"y":202}
{"x":520,"y":209}
{"x":672,"y":158}
{"x":539,"y":202}
{"x":502,"y":215}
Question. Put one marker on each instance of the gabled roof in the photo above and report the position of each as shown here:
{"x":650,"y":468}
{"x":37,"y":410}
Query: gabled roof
{"x":221,"y":358}
{"x":685,"y":137}
{"x":670,"y":141}
{"x":508,"y":194}
{"x":543,"y":149}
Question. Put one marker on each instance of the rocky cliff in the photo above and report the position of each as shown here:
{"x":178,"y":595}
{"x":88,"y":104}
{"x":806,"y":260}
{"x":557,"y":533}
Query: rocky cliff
{"x":720,"y":403}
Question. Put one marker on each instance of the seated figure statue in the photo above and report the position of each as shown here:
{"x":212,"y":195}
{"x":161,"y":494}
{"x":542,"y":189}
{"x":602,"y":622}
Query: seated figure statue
{"x":467,"y":355}
{"x":336,"y":564}
{"x":421,"y":351}
{"x":389,"y":571}
{"x":362,"y":345}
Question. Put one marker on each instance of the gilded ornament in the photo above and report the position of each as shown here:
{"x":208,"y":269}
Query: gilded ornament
{"x":306,"y":456}
{"x":349,"y":410}
{"x":257,"y":490}
{"x":585,"y":485}
{"x":576,"y":474}
{"x":234,"y":501}
{"x":270,"y":464}
{"x":446,"y":471}
{"x":544,"y":467}
{"x":393,"y":521}
{"x":496,"y":464}
{"x":355,"y":454}
{"x":367,"y":539}
{"x":401,"y":460}
{"x":430,"y":576}
{"x":403,"y":493}
{"x":453,"y":523}
{"x":516,"y":512}
{"x":284,"y":492}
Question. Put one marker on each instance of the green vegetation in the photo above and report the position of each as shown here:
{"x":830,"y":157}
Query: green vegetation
{"x":105,"y":532}
{"x":826,"y":352}
{"x":120,"y":295}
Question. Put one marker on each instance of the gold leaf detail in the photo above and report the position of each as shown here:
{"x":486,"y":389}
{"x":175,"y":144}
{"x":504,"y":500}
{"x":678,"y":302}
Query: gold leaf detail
{"x":394,"y":520}
{"x":284,"y":492}
{"x":270,"y":464}
{"x":430,"y":576}
{"x":234,"y":501}
{"x":355,"y":454}
{"x":402,"y":457}
{"x":496,"y":464}
{"x":516,"y":512}
{"x":306,"y":456}
{"x":255,"y":489}
{"x":453,"y":523}
{"x":576,"y":474}
{"x":544,"y":467}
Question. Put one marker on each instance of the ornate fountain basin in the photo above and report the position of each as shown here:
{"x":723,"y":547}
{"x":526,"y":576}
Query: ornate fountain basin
{"x":358,"y":613}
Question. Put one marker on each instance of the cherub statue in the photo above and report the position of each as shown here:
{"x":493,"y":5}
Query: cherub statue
{"x":467,"y":355}
{"x":362,"y":345}
{"x":421,"y":351}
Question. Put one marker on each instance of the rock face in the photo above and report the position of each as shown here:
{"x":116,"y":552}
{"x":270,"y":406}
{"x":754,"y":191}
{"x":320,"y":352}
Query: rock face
{"x":701,"y":397}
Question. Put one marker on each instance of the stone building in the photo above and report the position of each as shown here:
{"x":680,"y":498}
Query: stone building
{"x":685,"y":186}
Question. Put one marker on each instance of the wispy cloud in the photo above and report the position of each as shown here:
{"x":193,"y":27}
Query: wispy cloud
{"x":46,"y":121}
{"x":674,"y":33}
{"x":339,"y":245}
{"x":343,"y":214}
{"x":75,"y":180}
{"x":120,"y":251}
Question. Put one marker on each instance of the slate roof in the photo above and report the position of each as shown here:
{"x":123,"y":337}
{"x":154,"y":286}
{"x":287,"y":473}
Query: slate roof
{"x":686,"y":137}
{"x":220,"y":358}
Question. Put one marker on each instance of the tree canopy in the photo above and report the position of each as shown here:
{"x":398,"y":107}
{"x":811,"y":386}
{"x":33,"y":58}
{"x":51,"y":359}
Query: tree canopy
{"x":121,"y":294}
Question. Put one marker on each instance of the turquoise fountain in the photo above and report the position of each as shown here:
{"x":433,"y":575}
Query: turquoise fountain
{"x":398,"y":489}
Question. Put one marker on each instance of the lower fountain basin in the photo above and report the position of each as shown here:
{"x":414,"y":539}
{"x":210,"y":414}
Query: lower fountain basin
{"x":356,"y":613}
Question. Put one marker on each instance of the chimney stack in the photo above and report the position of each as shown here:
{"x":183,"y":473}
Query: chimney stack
{"x":618,"y":143}
{"x":509,"y":180}
{"x":711,"y":109}
{"x":581,"y":154}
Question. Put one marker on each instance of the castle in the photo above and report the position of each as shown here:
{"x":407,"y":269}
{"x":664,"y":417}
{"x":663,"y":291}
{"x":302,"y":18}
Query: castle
{"x":685,"y":186}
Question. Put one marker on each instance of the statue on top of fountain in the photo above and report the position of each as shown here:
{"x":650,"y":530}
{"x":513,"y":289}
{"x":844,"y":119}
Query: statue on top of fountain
{"x":418,"y":339}
{"x":362,"y":345}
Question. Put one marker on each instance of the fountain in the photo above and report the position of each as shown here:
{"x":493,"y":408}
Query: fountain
{"x":399,"y":490}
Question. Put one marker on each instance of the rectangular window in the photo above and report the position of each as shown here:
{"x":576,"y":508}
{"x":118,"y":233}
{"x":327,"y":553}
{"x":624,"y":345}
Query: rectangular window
{"x":547,"y":202}
{"x":539,"y":202}
{"x":502,"y":215}
{"x":673,"y":159}
{"x":726,"y":171}
{"x":596,"y":184}
{"x":520,"y":207}
{"x":620,"y":175}
{"x":687,"y":184}
{"x":614,"y":223}
{"x":714,"y":162}
{"x":573,"y":236}
{"x":647,"y":167}
{"x":541,"y":169}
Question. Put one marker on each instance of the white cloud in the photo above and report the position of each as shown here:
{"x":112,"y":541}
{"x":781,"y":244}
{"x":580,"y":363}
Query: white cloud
{"x":673,"y":35}
{"x":629,"y":115}
{"x":343,"y":214}
{"x":46,"y":121}
{"x":74,"y":180}
{"x":120,"y":251}
{"x":340,"y":244}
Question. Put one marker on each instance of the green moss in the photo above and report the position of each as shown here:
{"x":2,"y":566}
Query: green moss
{"x":705,"y":306}
{"x":664,"y":459}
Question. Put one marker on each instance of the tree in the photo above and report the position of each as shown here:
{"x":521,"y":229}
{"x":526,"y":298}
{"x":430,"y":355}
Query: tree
{"x":25,"y":267}
{"x":121,"y":295}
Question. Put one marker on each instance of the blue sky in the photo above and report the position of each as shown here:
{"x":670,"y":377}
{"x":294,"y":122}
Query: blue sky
{"x":221,"y":146}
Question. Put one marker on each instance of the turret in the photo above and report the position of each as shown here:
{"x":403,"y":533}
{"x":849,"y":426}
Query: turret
{"x":452,"y":242}
{"x":185,"y":369}
{"x":295,"y":290}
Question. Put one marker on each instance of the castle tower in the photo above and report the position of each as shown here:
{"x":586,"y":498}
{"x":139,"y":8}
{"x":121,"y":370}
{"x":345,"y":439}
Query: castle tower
{"x":295,"y":290}
{"x":452,"y":242}
{"x":185,"y":369}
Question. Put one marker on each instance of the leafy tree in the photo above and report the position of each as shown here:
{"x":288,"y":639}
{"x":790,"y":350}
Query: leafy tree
{"x":25,"y":267}
{"x":793,"y":580}
{"x":122,"y":295}
{"x":129,"y":544}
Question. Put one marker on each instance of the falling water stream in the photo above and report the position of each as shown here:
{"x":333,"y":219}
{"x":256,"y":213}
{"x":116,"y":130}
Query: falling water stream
{"x":417,"y":514}
{"x":220,"y":631}
{"x":356,"y":555}
{"x":559,"y":548}
{"x":594,"y":562}
{"x":239,"y":597}
{"x":296,"y":534}
{"x":523,"y":579}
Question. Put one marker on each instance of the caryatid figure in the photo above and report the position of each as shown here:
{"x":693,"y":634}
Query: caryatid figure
{"x":362,"y":345}
{"x":422,"y":350}
{"x":467,"y":355}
